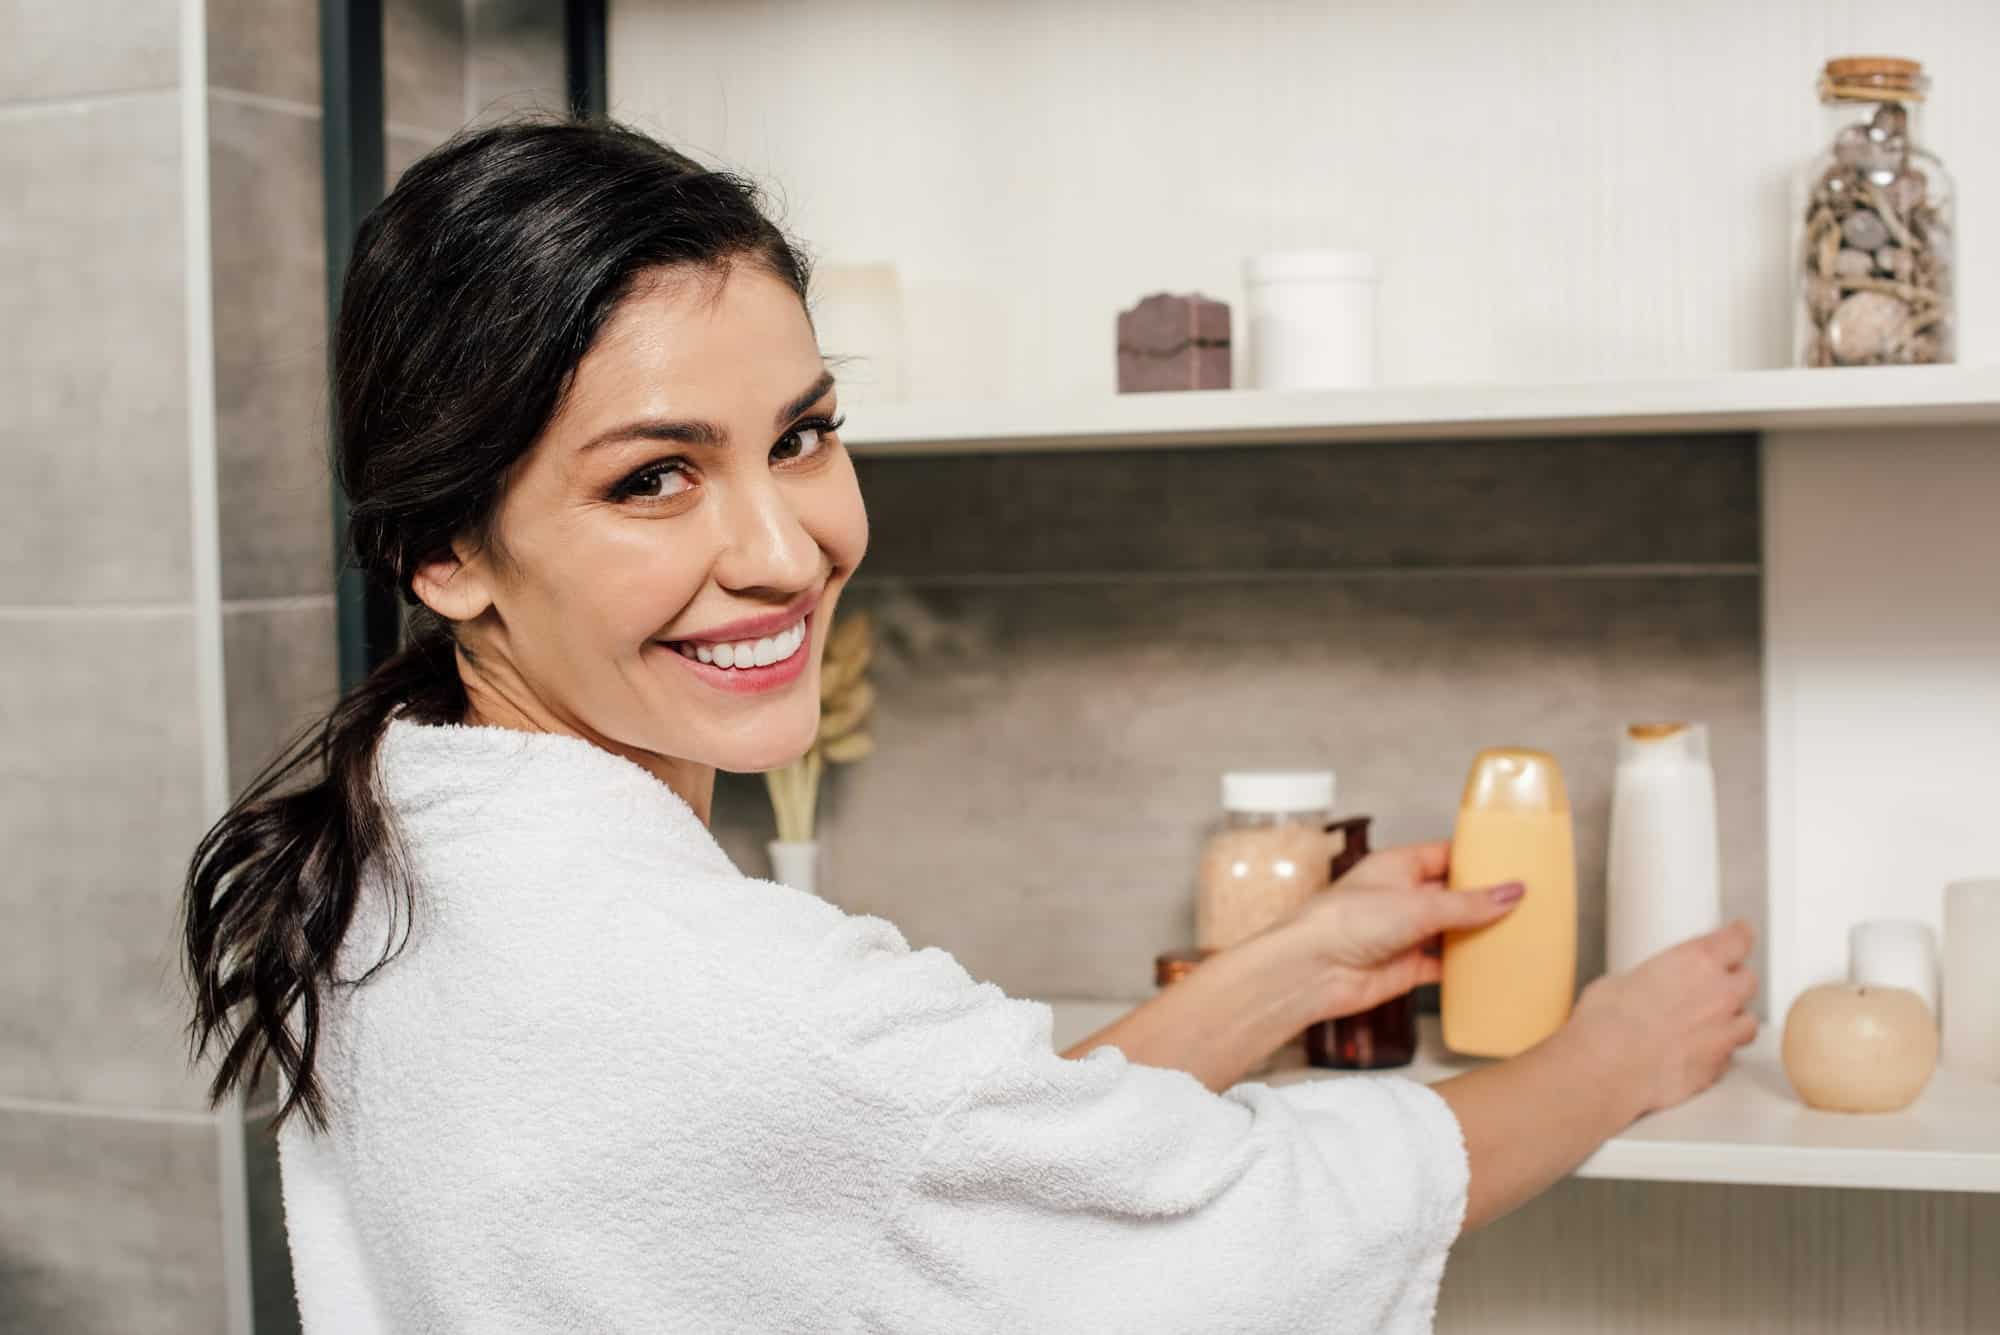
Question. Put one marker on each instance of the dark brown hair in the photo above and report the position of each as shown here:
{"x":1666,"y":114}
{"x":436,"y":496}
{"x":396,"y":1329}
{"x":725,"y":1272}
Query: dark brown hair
{"x":474,"y":290}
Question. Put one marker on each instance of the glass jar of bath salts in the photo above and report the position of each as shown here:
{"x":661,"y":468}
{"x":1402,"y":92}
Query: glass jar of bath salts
{"x":1268,"y":855}
{"x":1272,"y":851}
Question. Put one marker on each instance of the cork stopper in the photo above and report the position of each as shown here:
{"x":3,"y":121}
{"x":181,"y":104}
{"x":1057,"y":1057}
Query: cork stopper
{"x":1653,"y":732}
{"x":1872,"y":79}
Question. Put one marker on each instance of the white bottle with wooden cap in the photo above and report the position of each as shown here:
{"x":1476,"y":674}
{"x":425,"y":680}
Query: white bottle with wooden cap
{"x":1663,"y":879}
{"x":1508,"y":986}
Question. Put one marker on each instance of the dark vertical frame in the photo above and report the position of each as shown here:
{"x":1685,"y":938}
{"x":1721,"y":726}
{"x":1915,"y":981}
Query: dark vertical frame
{"x":352,"y":153}
{"x":583,"y":57}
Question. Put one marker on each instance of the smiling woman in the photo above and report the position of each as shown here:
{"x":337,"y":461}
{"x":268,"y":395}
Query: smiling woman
{"x":548,"y":1061}
{"x":688,"y":494}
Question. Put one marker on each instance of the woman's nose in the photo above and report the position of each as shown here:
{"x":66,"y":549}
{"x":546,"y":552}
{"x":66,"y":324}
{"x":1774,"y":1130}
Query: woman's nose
{"x":765,"y":541}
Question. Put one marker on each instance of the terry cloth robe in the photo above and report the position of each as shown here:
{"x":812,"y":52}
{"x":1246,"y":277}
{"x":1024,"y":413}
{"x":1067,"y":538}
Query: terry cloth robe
{"x":612,"y":1084}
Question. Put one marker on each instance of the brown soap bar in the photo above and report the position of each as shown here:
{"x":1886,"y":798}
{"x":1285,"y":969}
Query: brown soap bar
{"x":1170,"y":342}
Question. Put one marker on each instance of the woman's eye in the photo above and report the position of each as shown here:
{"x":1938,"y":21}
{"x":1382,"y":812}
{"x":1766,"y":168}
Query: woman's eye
{"x":805,"y":440}
{"x":661,"y":482}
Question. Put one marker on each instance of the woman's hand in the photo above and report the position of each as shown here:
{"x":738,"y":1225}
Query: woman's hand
{"x":1676,"y":1019}
{"x":1366,"y":934}
{"x":1635,"y":1043}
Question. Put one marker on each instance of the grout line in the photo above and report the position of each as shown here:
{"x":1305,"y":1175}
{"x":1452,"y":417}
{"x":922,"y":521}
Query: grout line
{"x":1688,"y":570}
{"x":85,"y":611}
{"x":306,"y":110}
{"x":205,"y":544}
{"x":265,"y":102}
{"x":104,"y":1112}
{"x":19,"y":107}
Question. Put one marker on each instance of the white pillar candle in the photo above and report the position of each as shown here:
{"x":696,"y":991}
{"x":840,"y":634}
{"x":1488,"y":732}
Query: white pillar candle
{"x":1972,"y":978}
{"x":1895,"y":952}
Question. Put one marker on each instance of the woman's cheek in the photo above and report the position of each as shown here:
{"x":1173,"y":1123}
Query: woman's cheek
{"x":843,"y":528}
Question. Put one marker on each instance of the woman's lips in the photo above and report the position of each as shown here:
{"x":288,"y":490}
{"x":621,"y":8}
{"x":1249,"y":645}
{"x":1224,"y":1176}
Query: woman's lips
{"x":758,"y":627}
{"x":750,"y":680}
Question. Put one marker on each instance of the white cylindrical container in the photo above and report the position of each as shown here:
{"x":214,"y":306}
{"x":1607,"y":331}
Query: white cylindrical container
{"x":1971,"y":982}
{"x":1312,"y":319}
{"x":795,"y":862}
{"x":1663,"y":882}
{"x":1895,"y":952}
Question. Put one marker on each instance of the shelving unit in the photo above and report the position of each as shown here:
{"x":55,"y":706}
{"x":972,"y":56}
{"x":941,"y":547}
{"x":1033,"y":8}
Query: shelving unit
{"x":1871,"y":397}
{"x":1748,"y":1129}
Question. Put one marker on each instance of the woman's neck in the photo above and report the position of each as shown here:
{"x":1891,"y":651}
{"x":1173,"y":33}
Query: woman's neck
{"x":489,"y":705}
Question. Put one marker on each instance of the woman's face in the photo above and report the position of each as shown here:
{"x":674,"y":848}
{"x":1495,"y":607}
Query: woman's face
{"x":690,"y":501}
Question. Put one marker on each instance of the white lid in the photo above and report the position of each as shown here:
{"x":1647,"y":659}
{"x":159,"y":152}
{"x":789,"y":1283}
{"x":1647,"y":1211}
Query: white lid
{"x":1292,"y":265}
{"x":1278,"y":790}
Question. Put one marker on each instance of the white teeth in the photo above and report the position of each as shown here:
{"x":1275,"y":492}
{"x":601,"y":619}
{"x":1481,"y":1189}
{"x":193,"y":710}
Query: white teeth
{"x":750,"y":653}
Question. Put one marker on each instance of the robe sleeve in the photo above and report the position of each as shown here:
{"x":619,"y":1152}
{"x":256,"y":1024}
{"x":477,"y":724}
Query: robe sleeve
{"x":1046,"y":1194}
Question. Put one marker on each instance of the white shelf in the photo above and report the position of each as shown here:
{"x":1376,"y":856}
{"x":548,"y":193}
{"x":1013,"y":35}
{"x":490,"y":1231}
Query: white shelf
{"x":1749,"y":1128}
{"x":1856,"y":397}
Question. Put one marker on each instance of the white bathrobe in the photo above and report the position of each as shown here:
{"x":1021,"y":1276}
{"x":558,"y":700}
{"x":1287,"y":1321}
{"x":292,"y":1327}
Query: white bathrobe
{"x":612,"y":1084}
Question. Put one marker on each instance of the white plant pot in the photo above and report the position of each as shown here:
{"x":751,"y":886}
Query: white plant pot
{"x":795,"y":862}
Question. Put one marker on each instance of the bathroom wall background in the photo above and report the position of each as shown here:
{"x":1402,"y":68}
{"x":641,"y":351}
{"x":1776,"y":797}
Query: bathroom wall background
{"x":128,"y":1206}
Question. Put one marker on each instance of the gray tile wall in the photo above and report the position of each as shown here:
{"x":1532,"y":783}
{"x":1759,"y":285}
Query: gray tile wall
{"x":110,"y":1217}
{"x":109,"y":1225}
{"x":515,"y":59}
{"x":114,"y":1218}
{"x":1072,"y":648}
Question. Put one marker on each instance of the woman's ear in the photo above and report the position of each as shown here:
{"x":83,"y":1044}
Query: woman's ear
{"x":454,"y":587}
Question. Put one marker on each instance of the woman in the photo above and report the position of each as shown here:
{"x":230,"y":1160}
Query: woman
{"x":550,"y":1062}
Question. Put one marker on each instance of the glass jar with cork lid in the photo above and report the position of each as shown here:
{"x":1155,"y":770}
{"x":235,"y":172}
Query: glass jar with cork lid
{"x":1876,"y":276}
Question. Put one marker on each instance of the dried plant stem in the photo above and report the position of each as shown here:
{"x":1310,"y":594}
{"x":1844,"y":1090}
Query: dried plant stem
{"x":809,"y":784}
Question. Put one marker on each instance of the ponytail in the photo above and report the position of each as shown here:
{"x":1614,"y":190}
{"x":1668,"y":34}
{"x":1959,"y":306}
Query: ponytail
{"x":274,"y":885}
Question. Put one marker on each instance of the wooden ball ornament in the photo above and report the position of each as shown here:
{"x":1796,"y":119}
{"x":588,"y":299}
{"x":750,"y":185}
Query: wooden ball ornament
{"x":1859,"y":1048}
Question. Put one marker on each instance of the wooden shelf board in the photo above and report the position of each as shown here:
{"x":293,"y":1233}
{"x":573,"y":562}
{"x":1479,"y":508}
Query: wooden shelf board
{"x":1748,"y":1129}
{"x":1858,"y":397}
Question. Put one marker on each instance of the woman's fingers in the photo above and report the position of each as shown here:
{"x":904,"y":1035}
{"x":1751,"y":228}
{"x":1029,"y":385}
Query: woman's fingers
{"x":1730,"y":945}
{"x":1462,"y":910}
{"x":1743,"y":986}
{"x":1427,"y":969}
{"x":1432,"y":860}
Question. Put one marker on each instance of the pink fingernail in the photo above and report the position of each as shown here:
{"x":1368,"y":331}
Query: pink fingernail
{"x":1508,"y":893}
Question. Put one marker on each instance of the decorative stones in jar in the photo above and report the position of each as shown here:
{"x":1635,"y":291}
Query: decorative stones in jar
{"x":1875,"y":272}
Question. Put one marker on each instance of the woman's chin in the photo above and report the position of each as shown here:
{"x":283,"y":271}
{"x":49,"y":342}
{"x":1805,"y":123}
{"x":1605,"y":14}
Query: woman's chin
{"x":753,"y":756}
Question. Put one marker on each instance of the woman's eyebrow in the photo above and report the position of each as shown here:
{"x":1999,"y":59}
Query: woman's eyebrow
{"x":804,"y":400}
{"x":693,"y":431}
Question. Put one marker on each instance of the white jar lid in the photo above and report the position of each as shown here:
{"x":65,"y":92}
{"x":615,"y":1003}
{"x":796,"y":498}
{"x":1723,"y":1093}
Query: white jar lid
{"x":1294,"y":265}
{"x":1278,"y":790}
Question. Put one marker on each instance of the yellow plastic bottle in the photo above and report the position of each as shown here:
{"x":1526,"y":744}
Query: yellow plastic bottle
{"x":1509,"y":986}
